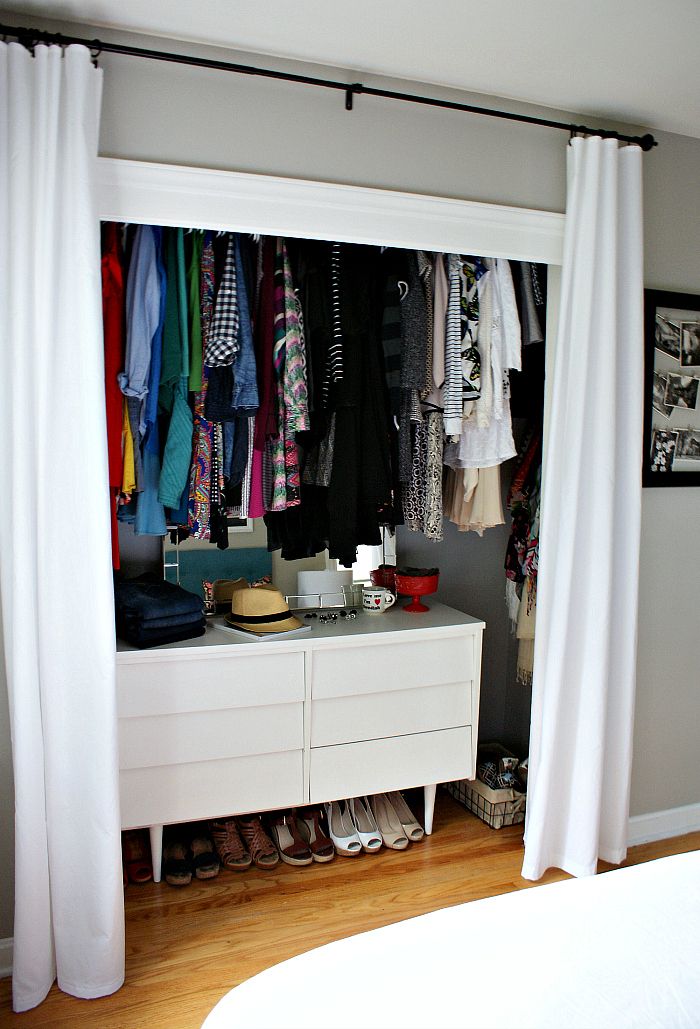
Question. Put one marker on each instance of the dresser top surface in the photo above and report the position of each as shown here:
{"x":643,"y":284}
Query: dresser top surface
{"x":396,"y":620}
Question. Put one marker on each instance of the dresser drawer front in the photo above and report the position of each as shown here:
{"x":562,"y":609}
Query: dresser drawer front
{"x":371,"y":716}
{"x":207,"y":789}
{"x":385,"y":667}
{"x":209,"y":735}
{"x":168,"y":686}
{"x":354,"y":769}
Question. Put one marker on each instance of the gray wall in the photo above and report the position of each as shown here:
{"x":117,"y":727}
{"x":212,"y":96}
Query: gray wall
{"x":166,"y":113}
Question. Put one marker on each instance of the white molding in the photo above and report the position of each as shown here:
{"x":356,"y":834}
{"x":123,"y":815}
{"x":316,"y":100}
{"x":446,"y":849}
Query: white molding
{"x":163,"y":194}
{"x":6,"y":952}
{"x":661,"y":825}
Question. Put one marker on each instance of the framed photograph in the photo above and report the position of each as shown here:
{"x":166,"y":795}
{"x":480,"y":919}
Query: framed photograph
{"x":672,"y":389}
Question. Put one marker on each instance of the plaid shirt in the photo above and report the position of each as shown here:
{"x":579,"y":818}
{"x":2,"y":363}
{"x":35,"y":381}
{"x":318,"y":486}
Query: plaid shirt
{"x":222,"y":338}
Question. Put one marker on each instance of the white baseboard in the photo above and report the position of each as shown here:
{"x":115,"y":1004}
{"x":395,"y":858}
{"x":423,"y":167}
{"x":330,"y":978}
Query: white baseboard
{"x":6,"y":957}
{"x":660,"y":825}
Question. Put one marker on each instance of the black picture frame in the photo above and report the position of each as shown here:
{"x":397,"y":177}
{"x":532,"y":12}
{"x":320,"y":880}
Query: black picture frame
{"x":671,"y":397}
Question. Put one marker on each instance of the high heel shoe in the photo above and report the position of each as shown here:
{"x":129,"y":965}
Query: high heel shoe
{"x":410,"y":824}
{"x":293,"y":850}
{"x":309,"y":825}
{"x":342,"y":830}
{"x":260,"y":847}
{"x":367,"y":828}
{"x":389,"y":822}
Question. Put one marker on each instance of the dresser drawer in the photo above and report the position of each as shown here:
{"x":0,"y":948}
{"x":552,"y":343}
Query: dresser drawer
{"x":387,"y":667}
{"x":355,"y":769}
{"x":201,"y":735}
{"x":369,"y":716}
{"x":171,"y":685}
{"x":206,"y":789}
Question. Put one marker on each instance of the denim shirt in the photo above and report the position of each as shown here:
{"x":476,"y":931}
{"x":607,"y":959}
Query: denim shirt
{"x":245,"y":389}
{"x":143,"y":290}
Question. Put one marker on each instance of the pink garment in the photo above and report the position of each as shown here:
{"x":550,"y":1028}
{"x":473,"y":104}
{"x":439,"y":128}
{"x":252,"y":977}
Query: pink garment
{"x":256,"y":507}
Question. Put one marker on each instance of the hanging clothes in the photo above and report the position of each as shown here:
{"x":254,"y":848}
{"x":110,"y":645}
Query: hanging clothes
{"x":222,"y":340}
{"x":150,"y":513}
{"x":334,"y":359}
{"x":195,"y":313}
{"x":343,"y":380}
{"x":522,"y":553}
{"x":177,"y":455}
{"x":361,"y":479}
{"x":301,"y":531}
{"x":245,"y":399}
{"x":432,"y":517}
{"x":142,"y":314}
{"x":452,"y":389}
{"x":277,"y":452}
{"x":128,"y":470}
{"x":440,"y":299}
{"x":414,"y":359}
{"x":114,"y":323}
{"x":487,"y":436}
{"x":201,"y":298}
{"x":395,"y":274}
{"x":261,"y":478}
{"x":473,"y":498}
{"x":470,"y":272}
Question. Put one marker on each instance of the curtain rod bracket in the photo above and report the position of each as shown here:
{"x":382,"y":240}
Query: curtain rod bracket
{"x":356,"y":87}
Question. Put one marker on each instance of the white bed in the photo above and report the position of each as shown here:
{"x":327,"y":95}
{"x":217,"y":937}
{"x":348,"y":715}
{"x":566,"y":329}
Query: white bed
{"x":614,"y":950}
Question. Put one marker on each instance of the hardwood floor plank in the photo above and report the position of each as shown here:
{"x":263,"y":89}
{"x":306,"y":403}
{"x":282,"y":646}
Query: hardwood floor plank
{"x":186,"y":948}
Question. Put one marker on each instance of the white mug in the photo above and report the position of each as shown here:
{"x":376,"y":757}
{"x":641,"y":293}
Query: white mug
{"x":376,"y":599}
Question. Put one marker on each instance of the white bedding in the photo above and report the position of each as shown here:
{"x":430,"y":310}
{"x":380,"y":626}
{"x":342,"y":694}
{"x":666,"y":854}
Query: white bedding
{"x":614,"y":950}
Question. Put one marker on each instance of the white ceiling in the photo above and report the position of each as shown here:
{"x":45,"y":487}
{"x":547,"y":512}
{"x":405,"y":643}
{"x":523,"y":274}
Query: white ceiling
{"x":622,"y":60}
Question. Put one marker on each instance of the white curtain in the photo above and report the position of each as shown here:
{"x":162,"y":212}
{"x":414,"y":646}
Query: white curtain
{"x":586,"y":639}
{"x":55,"y":569}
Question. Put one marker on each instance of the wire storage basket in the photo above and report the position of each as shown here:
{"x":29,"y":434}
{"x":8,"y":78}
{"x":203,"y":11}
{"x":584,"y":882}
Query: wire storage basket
{"x":496,"y":807}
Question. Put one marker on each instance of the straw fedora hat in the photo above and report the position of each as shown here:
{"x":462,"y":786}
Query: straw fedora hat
{"x":261,"y":609}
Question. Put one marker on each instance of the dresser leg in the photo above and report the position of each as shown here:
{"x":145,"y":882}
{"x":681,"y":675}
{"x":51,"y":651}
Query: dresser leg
{"x":429,"y":797}
{"x":156,"y":832}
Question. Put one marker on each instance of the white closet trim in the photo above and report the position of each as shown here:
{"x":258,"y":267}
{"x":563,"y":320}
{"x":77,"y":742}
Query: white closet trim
{"x":163,"y":194}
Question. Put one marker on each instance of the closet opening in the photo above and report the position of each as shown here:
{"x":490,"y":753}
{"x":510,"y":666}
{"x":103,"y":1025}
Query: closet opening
{"x":414,"y":732}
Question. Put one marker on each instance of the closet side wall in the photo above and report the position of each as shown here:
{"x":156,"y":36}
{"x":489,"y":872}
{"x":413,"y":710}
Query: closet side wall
{"x":189,"y":116}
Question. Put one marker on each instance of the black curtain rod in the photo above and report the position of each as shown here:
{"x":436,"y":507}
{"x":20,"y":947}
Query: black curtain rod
{"x":30,"y":37}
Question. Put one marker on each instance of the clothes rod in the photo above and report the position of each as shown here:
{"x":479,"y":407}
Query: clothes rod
{"x":30,"y":37}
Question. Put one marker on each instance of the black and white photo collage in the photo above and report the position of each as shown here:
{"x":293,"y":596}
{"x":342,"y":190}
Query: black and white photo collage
{"x":675,"y":440}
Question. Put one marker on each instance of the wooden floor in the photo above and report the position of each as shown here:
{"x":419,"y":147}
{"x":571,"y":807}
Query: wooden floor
{"x":186,"y":948}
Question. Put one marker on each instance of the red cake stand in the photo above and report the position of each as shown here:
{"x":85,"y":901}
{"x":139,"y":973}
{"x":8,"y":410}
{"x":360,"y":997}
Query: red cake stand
{"x":416,"y":583}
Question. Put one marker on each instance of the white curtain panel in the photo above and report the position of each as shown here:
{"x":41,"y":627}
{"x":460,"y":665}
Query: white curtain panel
{"x":586,"y":640}
{"x":55,"y":568}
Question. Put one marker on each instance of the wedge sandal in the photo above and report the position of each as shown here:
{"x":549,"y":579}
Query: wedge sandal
{"x":205,"y":863}
{"x":261,"y":848}
{"x":229,"y":845}
{"x":293,"y":849}
{"x":177,"y":867}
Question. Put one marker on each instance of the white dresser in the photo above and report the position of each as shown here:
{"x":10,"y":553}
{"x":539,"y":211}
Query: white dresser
{"x":225,"y":725}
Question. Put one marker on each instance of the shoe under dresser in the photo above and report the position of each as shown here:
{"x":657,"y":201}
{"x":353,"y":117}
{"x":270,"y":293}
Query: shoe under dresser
{"x":225,"y":725}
